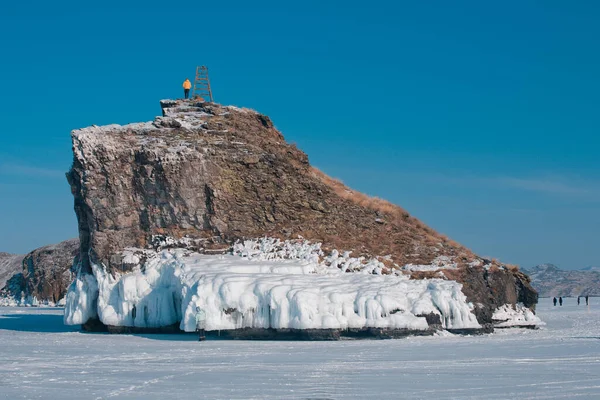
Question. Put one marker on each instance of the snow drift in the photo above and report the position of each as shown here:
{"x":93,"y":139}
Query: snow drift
{"x":508,"y":316}
{"x":263,"y":284}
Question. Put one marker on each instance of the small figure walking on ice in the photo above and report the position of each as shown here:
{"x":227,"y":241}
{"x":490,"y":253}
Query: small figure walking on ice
{"x":578,"y":300}
{"x":560,"y":301}
{"x":587,"y":303}
{"x":200,"y":319}
{"x":554,"y":301}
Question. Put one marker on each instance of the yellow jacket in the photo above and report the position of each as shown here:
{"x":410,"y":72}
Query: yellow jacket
{"x":187,"y":84}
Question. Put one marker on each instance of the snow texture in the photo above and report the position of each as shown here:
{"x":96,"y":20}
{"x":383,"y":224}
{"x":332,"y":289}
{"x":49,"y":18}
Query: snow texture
{"x":440,"y":262}
{"x":518,"y":315}
{"x":265,"y":283}
{"x":40,"y":358}
{"x":29,"y":301}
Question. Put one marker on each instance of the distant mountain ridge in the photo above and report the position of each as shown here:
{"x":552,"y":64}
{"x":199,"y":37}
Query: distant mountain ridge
{"x":549,"y":280}
{"x":591,"y":268}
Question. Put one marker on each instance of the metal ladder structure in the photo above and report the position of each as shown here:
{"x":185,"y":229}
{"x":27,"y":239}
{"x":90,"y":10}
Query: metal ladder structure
{"x":202,"y":85}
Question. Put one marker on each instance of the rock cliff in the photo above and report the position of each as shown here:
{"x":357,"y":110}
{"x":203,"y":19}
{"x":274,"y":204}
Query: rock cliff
{"x":44,"y":273}
{"x":203,"y":176}
{"x":47,"y":270}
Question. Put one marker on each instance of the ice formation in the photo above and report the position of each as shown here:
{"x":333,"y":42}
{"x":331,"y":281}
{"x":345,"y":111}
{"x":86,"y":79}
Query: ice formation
{"x":82,"y":296}
{"x":508,"y":316}
{"x":264,"y":284}
{"x":29,"y":301}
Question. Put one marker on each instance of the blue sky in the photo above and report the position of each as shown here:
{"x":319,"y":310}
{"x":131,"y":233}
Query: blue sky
{"x":480,"y":119}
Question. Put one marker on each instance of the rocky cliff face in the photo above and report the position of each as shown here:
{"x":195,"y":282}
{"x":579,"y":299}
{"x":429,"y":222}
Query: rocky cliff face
{"x":44,"y":273}
{"x":47,"y":270}
{"x":207,"y":175}
{"x":549,"y":280}
{"x":10,"y":265}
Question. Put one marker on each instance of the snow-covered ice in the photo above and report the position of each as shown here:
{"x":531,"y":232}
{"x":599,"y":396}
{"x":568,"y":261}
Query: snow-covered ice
{"x":42,"y":358}
{"x":264,"y":284}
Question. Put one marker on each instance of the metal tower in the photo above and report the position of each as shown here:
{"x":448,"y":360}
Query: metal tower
{"x":202,"y":85}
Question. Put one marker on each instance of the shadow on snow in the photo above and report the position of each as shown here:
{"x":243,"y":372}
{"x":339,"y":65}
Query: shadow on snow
{"x":52,"y":323}
{"x":49,"y":323}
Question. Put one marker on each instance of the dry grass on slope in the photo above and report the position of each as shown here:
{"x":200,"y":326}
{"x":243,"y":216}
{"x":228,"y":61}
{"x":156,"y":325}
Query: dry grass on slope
{"x":363,"y":200}
{"x":395,"y":215}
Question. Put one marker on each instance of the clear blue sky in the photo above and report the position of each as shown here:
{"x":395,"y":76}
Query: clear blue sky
{"x":480,"y":119}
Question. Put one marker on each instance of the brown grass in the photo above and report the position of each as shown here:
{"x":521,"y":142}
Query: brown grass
{"x":512,"y":267}
{"x":424,"y":274}
{"x":395,"y":215}
{"x":363,"y":200}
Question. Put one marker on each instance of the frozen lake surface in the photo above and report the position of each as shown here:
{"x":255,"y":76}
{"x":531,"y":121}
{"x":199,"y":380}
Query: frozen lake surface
{"x":40,"y":358}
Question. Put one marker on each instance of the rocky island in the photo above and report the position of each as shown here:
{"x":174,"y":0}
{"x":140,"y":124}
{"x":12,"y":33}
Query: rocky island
{"x":208,"y":206}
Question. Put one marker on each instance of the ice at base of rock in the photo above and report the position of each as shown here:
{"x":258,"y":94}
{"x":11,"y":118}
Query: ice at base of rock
{"x":263,"y":287}
{"x":82,"y":296}
{"x":508,"y":316}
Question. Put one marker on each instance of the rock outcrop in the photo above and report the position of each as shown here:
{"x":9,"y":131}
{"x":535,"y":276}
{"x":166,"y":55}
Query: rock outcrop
{"x":43,"y":274}
{"x":47,"y":270}
{"x":208,"y":175}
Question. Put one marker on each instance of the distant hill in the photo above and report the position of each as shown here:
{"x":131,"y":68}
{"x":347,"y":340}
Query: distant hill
{"x":596,"y":269}
{"x":44,"y":273}
{"x":549,"y":280}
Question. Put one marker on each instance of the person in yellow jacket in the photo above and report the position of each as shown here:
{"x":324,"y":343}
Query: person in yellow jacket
{"x":187,"y":85}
